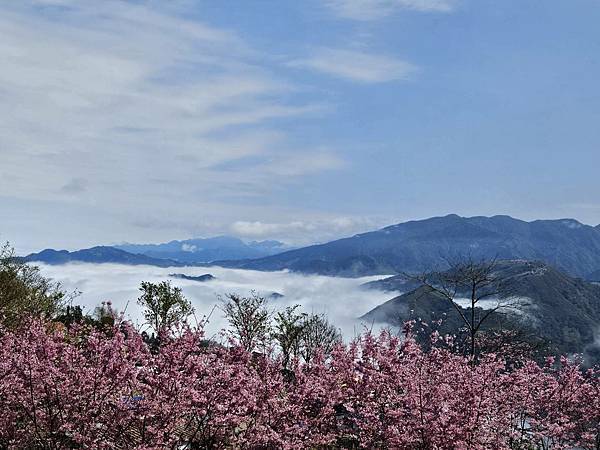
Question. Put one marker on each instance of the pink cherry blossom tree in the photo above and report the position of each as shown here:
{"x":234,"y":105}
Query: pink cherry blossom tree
{"x":90,"y":387}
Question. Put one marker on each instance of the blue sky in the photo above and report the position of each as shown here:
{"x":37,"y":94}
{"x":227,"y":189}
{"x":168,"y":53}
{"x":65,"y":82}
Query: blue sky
{"x":296,"y":120}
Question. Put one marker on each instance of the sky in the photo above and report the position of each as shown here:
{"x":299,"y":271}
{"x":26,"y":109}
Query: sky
{"x":304,"y":121}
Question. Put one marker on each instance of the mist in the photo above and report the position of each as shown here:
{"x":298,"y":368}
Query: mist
{"x":343,"y":300}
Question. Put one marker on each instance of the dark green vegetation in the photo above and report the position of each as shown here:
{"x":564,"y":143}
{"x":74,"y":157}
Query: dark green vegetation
{"x":164,"y":305}
{"x":544,"y":302}
{"x":298,"y":334}
{"x":25,"y":292}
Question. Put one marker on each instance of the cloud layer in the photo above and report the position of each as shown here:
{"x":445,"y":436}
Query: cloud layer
{"x":341,"y":299}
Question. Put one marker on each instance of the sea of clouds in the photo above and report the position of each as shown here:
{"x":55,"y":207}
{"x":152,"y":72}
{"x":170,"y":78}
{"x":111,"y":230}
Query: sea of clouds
{"x":343,"y":300}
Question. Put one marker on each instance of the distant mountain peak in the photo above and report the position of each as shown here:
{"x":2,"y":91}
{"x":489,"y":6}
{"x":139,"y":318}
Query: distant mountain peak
{"x":205,"y":250}
{"x":172,"y":253}
{"x":98,"y":254}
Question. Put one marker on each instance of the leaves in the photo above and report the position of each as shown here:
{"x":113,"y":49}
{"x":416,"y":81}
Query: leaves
{"x":164,"y":305}
{"x":24,"y":292}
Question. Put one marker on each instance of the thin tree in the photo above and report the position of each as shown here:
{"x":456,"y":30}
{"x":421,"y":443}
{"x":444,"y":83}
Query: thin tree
{"x":318,"y":335}
{"x":164,"y":305}
{"x":477,"y":281}
{"x":249,"y":319}
{"x":288,"y":330}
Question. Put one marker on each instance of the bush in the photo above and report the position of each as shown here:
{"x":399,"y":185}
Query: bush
{"x":24,"y":292}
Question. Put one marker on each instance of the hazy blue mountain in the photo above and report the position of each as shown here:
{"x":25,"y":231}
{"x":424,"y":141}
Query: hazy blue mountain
{"x":594,"y":276}
{"x":559,"y":308}
{"x":427,"y":244}
{"x":207,"y":250}
{"x":100,"y":254}
{"x":398,"y":283}
{"x":199,"y":278}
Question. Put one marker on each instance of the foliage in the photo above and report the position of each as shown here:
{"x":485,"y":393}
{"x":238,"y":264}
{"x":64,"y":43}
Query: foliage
{"x":318,"y":335}
{"x":249,"y":319}
{"x":164,"y":305}
{"x":288,"y":330}
{"x":103,"y":318}
{"x":104,"y":315}
{"x":301,"y":335}
{"x":80,"y":387}
{"x":24,"y":292}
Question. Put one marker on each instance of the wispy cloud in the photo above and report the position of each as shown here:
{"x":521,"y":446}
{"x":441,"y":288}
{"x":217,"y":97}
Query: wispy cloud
{"x":301,"y":232}
{"x":366,"y":10}
{"x":304,"y":163}
{"x":129,"y":108}
{"x":357,"y":66}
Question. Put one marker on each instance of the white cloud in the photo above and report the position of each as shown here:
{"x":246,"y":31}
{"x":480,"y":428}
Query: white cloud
{"x":189,"y":248}
{"x":302,"y":232}
{"x":260,"y":229}
{"x":376,"y":9}
{"x":341,"y":299}
{"x":357,"y":66}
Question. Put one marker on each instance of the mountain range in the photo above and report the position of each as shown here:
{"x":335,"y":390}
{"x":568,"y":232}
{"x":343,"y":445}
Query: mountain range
{"x":100,"y":254}
{"x":414,"y":246}
{"x":423,"y":245}
{"x":175,"y":253}
{"x":194,"y":251}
